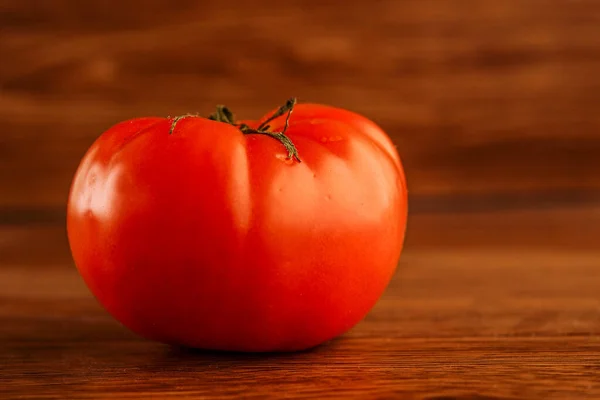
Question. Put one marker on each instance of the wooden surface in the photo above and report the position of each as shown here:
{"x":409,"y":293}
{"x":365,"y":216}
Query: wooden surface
{"x":480,"y":95}
{"x":494,"y":305}
{"x":493,"y":106}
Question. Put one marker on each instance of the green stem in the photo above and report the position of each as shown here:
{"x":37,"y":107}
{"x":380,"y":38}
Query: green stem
{"x":177,"y":119}
{"x":288,"y":107}
{"x":223,"y":114}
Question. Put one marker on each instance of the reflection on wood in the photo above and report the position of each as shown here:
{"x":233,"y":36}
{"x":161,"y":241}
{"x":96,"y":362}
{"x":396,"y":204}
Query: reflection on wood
{"x":478,"y":95}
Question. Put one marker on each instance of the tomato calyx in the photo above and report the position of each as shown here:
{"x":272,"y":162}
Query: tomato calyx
{"x":224,"y":114}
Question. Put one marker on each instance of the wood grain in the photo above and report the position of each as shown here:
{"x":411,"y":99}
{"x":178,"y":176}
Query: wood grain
{"x":480,"y":96}
{"x":493,"y":106}
{"x":453,"y":325}
{"x":485,"y":305}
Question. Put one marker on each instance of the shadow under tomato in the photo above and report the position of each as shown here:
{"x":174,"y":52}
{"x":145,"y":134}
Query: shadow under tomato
{"x":179,"y":353}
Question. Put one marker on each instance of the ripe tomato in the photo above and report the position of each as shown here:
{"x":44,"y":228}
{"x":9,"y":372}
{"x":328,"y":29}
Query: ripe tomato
{"x":219,"y":235}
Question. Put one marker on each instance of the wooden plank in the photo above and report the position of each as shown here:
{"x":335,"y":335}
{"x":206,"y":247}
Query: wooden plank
{"x":454,"y":324}
{"x":479,"y":96}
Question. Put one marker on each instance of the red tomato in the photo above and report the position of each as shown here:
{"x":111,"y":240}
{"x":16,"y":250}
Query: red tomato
{"x":212,"y":236}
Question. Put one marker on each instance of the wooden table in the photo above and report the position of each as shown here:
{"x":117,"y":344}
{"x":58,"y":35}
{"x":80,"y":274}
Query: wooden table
{"x":485,"y":305}
{"x":493,"y":105}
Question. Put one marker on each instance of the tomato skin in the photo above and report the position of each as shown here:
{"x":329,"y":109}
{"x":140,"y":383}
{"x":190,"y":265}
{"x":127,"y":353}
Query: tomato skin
{"x":213,"y":239}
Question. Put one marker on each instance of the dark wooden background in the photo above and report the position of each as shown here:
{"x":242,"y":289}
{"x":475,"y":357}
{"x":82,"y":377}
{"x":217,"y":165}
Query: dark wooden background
{"x":480,"y":96}
{"x":494,"y":106}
